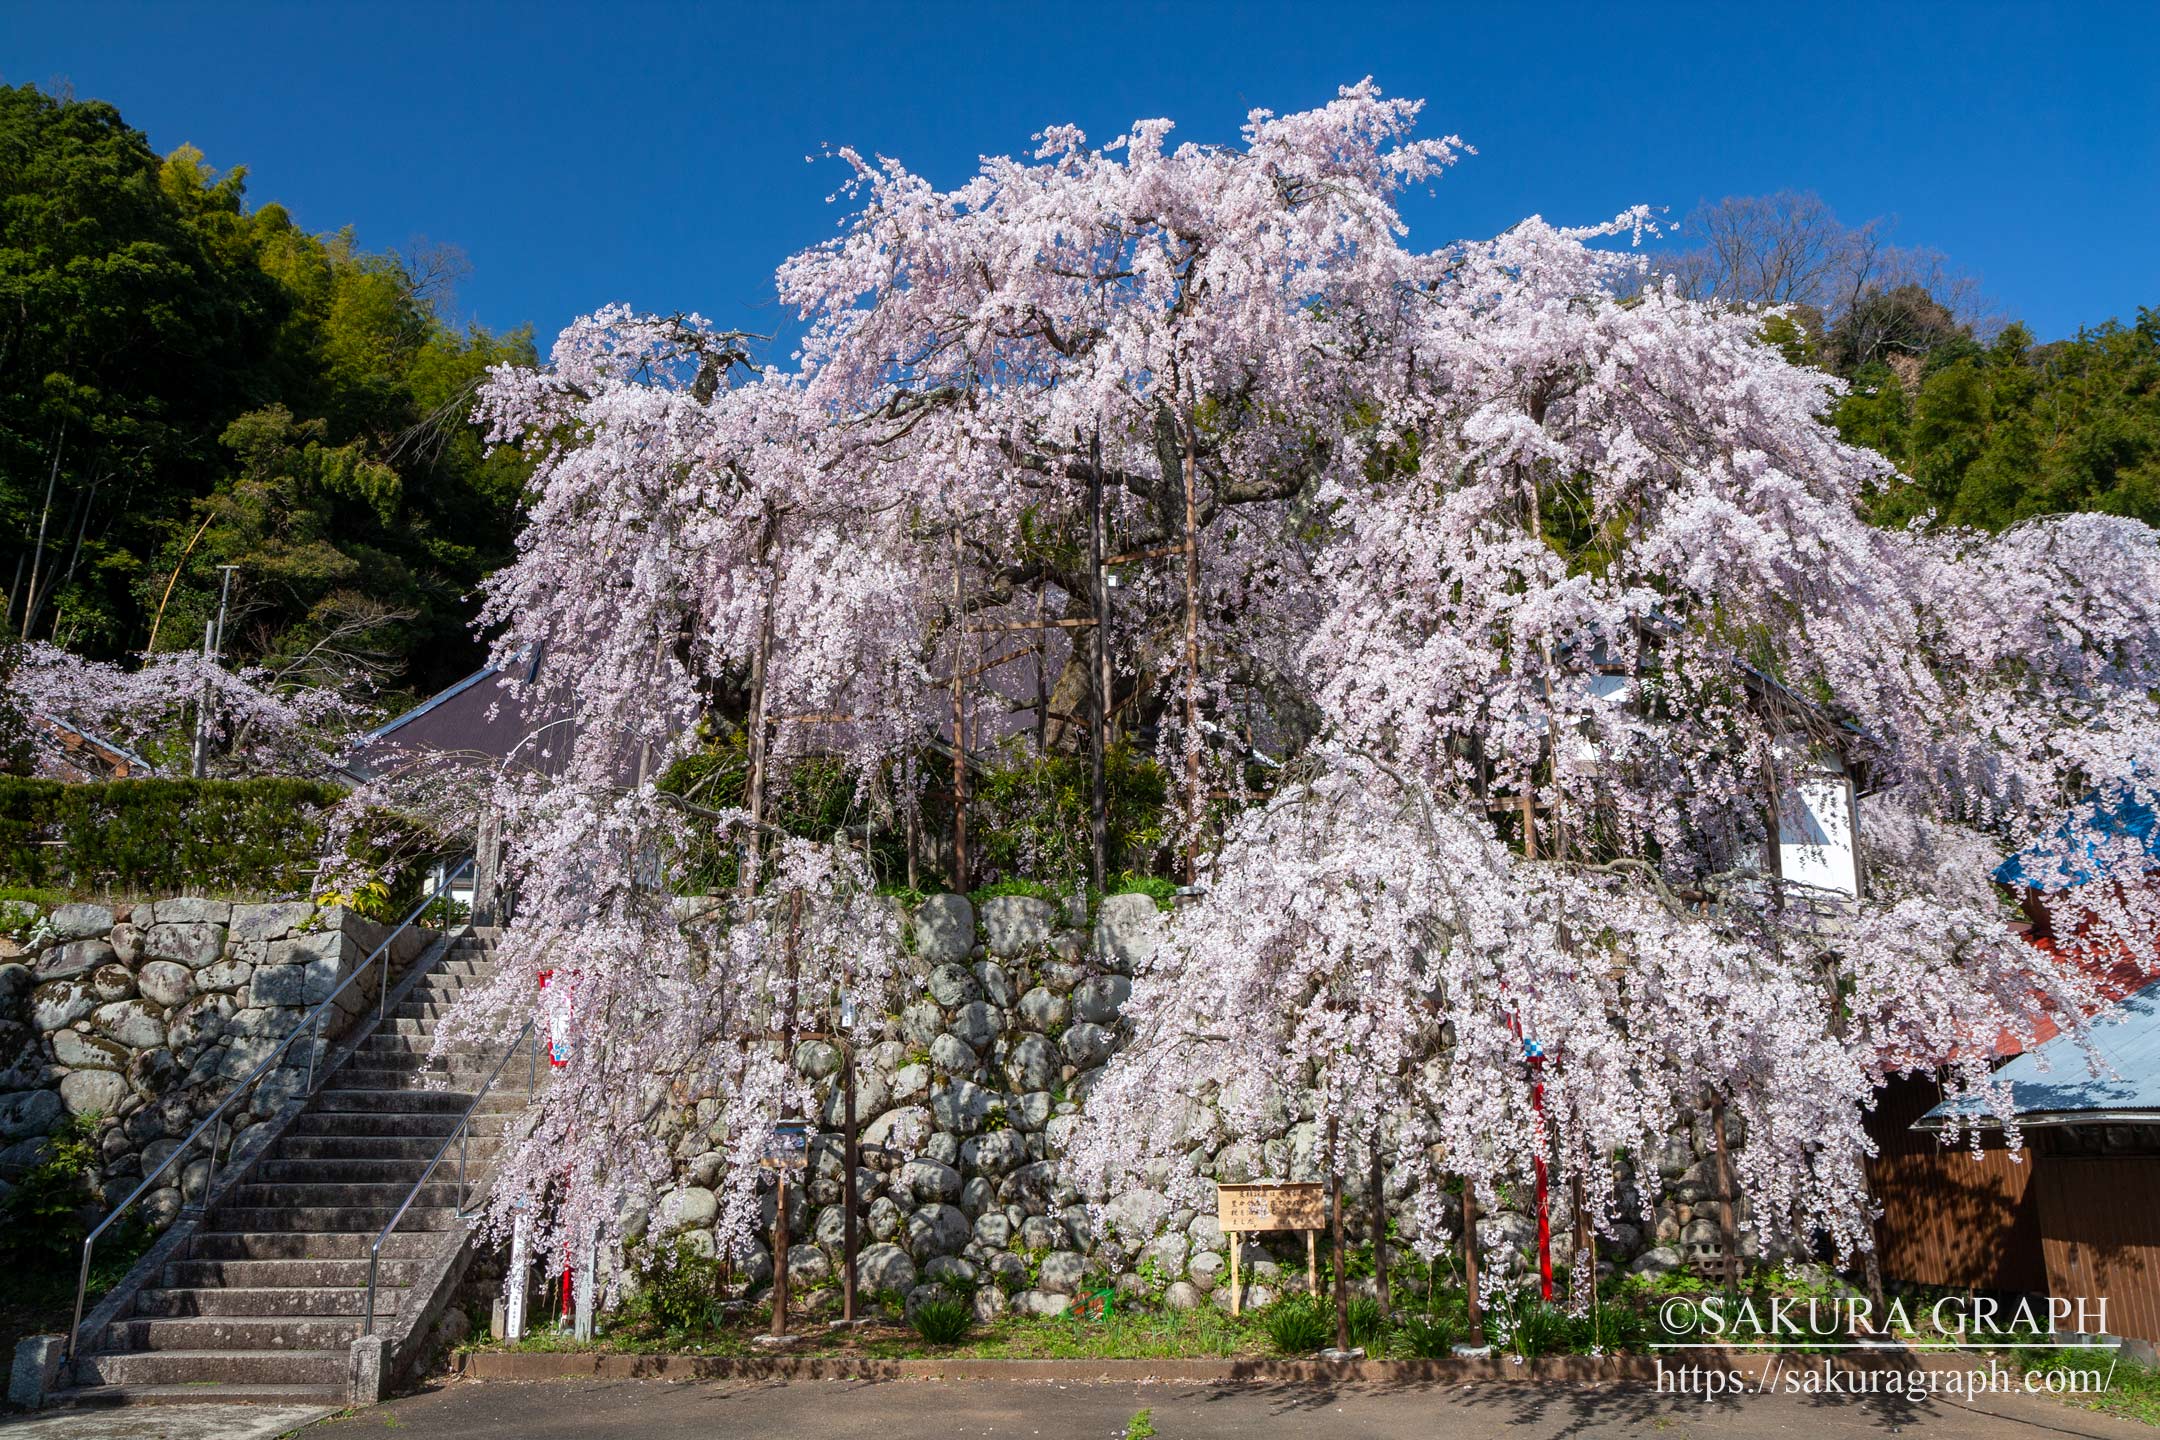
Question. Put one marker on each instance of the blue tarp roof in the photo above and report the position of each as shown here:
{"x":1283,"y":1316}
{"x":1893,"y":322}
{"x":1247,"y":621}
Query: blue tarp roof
{"x":2054,"y":1084}
{"x":2070,"y":854}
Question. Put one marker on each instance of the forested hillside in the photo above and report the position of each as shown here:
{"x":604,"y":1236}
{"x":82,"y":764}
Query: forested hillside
{"x":189,"y":382}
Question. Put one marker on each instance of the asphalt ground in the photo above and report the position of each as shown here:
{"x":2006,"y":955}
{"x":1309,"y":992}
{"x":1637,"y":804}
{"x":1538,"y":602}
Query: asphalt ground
{"x":963,"y":1409}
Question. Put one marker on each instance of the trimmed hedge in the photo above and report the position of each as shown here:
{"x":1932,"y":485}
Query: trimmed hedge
{"x":163,"y":836}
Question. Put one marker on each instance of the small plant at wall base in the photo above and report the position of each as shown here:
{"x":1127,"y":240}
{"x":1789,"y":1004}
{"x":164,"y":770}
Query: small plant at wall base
{"x":943,"y":1319}
{"x":678,"y":1288}
{"x":1298,"y":1325}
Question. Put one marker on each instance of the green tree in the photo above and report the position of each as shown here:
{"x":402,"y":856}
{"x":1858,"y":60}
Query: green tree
{"x":187,"y":384}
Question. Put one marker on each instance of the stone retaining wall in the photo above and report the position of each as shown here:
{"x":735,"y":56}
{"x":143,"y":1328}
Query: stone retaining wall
{"x":987,"y":1070}
{"x":147,"y":1015}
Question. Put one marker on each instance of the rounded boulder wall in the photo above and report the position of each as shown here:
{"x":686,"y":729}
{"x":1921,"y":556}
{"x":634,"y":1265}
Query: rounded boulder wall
{"x":164,"y":982}
{"x":1100,"y":999}
{"x":927,"y":1180}
{"x":1087,"y":1045}
{"x":136,"y":1024}
{"x":937,"y":1230}
{"x":92,"y":1092}
{"x":978,"y":1024}
{"x":112,"y":982}
{"x":960,"y":1106}
{"x":944,"y":929}
{"x":29,"y":1113}
{"x":78,"y":1051}
{"x":1127,"y":930}
{"x":190,"y":943}
{"x":60,"y":1003}
{"x":1042,"y":1009}
{"x":996,"y":1154}
{"x":884,"y":1266}
{"x":691,"y":1208}
{"x":953,"y":1055}
{"x":997,"y":986}
{"x":1015,"y":924}
{"x":954,"y":985}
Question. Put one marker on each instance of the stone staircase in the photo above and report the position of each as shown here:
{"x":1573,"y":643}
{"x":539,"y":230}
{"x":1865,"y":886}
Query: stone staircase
{"x":263,"y":1301}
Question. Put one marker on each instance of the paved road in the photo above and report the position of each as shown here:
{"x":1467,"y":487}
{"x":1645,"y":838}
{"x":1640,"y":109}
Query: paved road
{"x":161,"y":1422}
{"x":962,"y":1409}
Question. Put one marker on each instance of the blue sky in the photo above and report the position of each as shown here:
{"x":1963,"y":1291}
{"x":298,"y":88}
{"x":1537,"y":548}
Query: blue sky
{"x":656,"y":154}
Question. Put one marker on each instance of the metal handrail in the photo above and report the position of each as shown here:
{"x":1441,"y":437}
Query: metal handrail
{"x":215,"y":1120}
{"x":461,"y":1134}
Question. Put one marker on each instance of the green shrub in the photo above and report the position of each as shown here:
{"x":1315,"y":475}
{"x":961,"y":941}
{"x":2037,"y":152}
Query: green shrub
{"x":1298,"y":1325}
{"x":41,"y":1222}
{"x":943,"y":1319}
{"x":1034,"y":889}
{"x":1538,"y":1328}
{"x":1428,"y":1337}
{"x":1155,"y":887}
{"x":678,"y":1288}
{"x":1367,"y":1325}
{"x":163,"y":836}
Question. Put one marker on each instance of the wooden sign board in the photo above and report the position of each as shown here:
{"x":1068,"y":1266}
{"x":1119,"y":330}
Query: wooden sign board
{"x":788,"y":1148}
{"x":1271,"y":1205}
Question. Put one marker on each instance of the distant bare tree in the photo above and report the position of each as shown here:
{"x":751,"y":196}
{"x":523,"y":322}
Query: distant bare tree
{"x":436,"y":268}
{"x":1790,"y":248}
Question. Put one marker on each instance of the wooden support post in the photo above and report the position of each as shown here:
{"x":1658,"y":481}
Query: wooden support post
{"x":1379,"y":1225}
{"x":1237,"y":1296}
{"x":780,"y":1258}
{"x":1469,"y":1251}
{"x":1728,"y":1228}
{"x":1312,"y":1263}
{"x":1342,"y":1269}
{"x":850,"y":1157}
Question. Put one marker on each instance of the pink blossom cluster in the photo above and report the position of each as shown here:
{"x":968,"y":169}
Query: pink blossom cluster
{"x":250,"y":725}
{"x":1540,"y":588}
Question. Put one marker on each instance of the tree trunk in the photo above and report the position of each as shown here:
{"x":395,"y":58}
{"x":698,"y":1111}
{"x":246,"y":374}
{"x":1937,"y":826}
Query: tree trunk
{"x":1192,"y":654}
{"x":849,"y":1243}
{"x":959,"y":730}
{"x":1342,"y":1269}
{"x":1379,"y":1224}
{"x":1469,"y":1253}
{"x":1728,"y":1228}
{"x":1098,"y":678}
{"x":37,"y":555}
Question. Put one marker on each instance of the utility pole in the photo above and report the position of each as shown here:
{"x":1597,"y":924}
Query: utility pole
{"x":213,"y":651}
{"x":202,"y":705}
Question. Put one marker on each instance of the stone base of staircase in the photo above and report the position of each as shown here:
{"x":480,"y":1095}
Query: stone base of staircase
{"x":260,"y":1299}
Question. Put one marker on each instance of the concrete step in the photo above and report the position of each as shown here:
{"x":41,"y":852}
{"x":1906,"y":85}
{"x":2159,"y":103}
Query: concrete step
{"x":402,"y":1171}
{"x":421,"y":1009}
{"x":303,"y":1195}
{"x":422,"y":1046}
{"x":262,"y":1276}
{"x":301,"y":1149}
{"x":387,"y":1099}
{"x":224,"y":1332}
{"x":199,"y":1369}
{"x":258,"y":1245}
{"x":331,"y":1219}
{"x":285,"y":1300}
{"x":94,"y":1396}
{"x":336,"y":1125}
